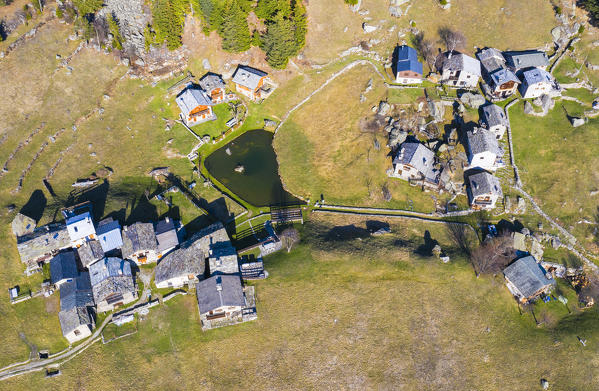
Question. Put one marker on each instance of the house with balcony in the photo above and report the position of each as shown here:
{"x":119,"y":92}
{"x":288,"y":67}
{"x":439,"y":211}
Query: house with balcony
{"x":494,"y":119}
{"x":483,"y":190}
{"x":483,"y":150}
{"x":458,"y":70}
{"x":222,"y":301}
{"x":195,"y":105}
{"x":415,"y":163}
{"x":112,"y":283}
{"x":500,"y":81}
{"x":408,"y":70}
{"x":252,"y":83}
{"x":139,"y":243}
{"x":537,"y":82}
{"x":76,"y":314}
{"x":214,"y":86}
{"x":526,"y":279}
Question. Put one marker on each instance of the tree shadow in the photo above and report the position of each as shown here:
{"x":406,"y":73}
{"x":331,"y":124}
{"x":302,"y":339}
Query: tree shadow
{"x":374,"y":225}
{"x":426,"y":249}
{"x":36,"y":205}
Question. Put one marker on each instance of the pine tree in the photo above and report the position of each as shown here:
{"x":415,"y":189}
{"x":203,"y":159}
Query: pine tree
{"x":169,"y":16}
{"x":117,"y":39}
{"x":267,"y":9}
{"x":86,"y":7}
{"x":300,"y":22}
{"x":235,"y":31}
{"x":279,"y":42}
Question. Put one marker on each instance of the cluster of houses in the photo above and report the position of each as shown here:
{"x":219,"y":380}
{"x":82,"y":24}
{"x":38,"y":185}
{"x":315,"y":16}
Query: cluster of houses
{"x":197,"y":100}
{"x":94,"y":265}
{"x":503,"y":73}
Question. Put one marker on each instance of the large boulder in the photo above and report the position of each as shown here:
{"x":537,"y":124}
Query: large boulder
{"x":472,"y":100}
{"x":368,"y":28}
{"x":528,"y":108}
{"x":384,"y":108}
{"x":577,"y":121}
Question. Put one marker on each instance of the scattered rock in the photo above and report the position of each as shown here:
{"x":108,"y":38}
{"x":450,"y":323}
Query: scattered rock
{"x":395,"y":11}
{"x":170,"y":140}
{"x":345,"y":29}
{"x":269,"y":123}
{"x":139,"y":62}
{"x":368,"y":28}
{"x":239,"y":168}
{"x":577,"y":121}
{"x":362,"y":98}
{"x":556,"y":242}
{"x":544,"y":384}
{"x":382,"y":231}
{"x":93,"y":154}
{"x":528,"y":108}
{"x":206,"y":64}
{"x":383,"y":108}
{"x":472,"y":100}
{"x":594,"y":193}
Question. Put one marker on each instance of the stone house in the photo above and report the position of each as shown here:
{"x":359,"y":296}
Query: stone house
{"x":42,"y":244}
{"x":250,"y":82}
{"x":63,"y":268}
{"x":166,"y":235}
{"x":76,"y":302}
{"x":90,"y":252}
{"x":484,"y":150}
{"x":109,"y":235}
{"x":195,"y":105}
{"x":521,"y":60}
{"x":221,"y":301}
{"x":214,"y":86}
{"x":415,"y":162}
{"x":181,"y":266}
{"x":458,"y":69}
{"x":501,"y":81}
{"x":222,"y":259}
{"x":536,"y":82}
{"x":526,"y":279}
{"x":112,"y":283}
{"x":483,"y":191}
{"x":493,"y":119}
{"x":139,"y":243}
{"x":80,"y":228}
{"x":408,"y":70}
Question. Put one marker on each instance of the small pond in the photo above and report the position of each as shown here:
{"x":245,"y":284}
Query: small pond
{"x":248,"y":167}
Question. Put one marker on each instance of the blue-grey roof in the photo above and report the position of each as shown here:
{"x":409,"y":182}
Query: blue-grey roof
{"x":108,"y":267}
{"x":166,"y":234}
{"x":526,"y":59}
{"x":219,"y":291}
{"x":528,"y":276}
{"x":76,"y":293}
{"x":248,"y":77}
{"x":109,"y":235}
{"x":483,"y":183}
{"x":482,"y":140}
{"x":502,"y":76}
{"x":63,"y":266}
{"x":491,"y":59}
{"x":494,"y":115}
{"x":407,"y":60}
{"x":456,"y":61}
{"x":419,"y":157}
{"x":536,"y":75}
{"x":192,"y":97}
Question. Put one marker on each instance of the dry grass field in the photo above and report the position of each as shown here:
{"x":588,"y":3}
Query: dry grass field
{"x":354,"y":312}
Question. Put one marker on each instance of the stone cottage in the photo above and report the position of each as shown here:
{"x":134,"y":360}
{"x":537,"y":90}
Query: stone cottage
{"x":221,"y":301}
{"x":526,"y":279}
{"x":139,"y":243}
{"x":214,"y":86}
{"x":90,"y":252}
{"x":493,"y":119}
{"x":484,"y":150}
{"x":501,"y":81}
{"x":483,"y":191}
{"x":42,"y":244}
{"x":167,"y":236}
{"x":521,"y":60}
{"x":112,"y":283}
{"x":415,"y":162}
{"x":76,"y":308}
{"x":458,"y":69}
{"x":536,"y":82}
{"x":182,"y":266}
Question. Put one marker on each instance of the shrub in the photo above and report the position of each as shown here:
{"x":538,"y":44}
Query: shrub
{"x":351,"y":2}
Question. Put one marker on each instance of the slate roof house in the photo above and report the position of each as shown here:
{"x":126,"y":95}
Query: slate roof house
{"x":221,"y":301}
{"x":526,"y":279}
{"x":223,"y":259}
{"x":250,"y":82}
{"x":80,"y":228}
{"x":42,"y":244}
{"x":483,"y":191}
{"x":22,"y":225}
{"x":493,"y":119}
{"x":214,"y":86}
{"x":536,"y":82}
{"x":408,"y":70}
{"x":185,"y":264}
{"x":139,"y":243}
{"x":63,"y":268}
{"x":415,"y":162}
{"x":90,"y":252}
{"x":75,"y":316}
{"x":109,"y":235}
{"x":521,"y":60}
{"x":484,"y":150}
{"x":502,"y":82}
{"x":195,"y":105}
{"x":112,"y":283}
{"x":458,"y":69}
{"x":166,"y":236}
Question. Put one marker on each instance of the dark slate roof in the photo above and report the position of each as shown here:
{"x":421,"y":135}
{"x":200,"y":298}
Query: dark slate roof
{"x":484,"y":183}
{"x":528,"y":276}
{"x":138,"y":237}
{"x":248,"y":77}
{"x":494,"y":115}
{"x":76,"y":293}
{"x":72,"y":318}
{"x":192,"y":97}
{"x":211,"y":297}
{"x":483,"y":140}
{"x":109,"y":235}
{"x":407,"y":60}
{"x":63,"y":266}
{"x":90,"y":252}
{"x":418,"y":156}
{"x":166,"y":234}
{"x":502,"y":76}
{"x":109,"y":276}
{"x":491,"y":59}
{"x":526,"y":59}
{"x":211,"y":81}
{"x":456,"y":61}
{"x":189,"y":259}
{"x":43,"y":240}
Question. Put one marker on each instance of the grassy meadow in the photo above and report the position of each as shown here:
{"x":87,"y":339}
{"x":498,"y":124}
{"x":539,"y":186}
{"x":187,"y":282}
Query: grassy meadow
{"x":348,"y":311}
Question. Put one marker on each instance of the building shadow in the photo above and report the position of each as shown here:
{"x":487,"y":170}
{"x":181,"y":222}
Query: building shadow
{"x":346,"y":232}
{"x":36,"y":205}
{"x":375,"y":225}
{"x":142,"y":210}
{"x":97,"y":195}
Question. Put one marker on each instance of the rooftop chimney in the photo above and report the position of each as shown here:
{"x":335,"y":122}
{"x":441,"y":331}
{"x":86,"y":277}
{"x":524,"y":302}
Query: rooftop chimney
{"x":167,"y":219}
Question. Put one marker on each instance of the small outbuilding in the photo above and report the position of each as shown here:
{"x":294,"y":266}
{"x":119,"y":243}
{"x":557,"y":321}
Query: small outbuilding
{"x":527,"y":279}
{"x":22,"y":225}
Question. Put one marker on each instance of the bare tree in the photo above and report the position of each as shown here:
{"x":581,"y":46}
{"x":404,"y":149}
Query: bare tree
{"x":426,"y":48}
{"x":289,"y":237}
{"x":458,"y":235}
{"x":589,"y":292}
{"x":452,"y":39}
{"x":493,"y":255}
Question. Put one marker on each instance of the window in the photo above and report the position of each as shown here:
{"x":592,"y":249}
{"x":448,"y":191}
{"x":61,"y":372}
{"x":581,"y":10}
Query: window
{"x":77,"y":332}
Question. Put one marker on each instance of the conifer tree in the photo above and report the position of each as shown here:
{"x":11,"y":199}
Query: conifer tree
{"x":300,"y":22}
{"x":169,"y":16}
{"x":235,"y":31}
{"x":86,"y":7}
{"x":279,"y":42}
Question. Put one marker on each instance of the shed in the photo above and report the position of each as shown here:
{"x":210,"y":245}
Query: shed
{"x":527,"y":279}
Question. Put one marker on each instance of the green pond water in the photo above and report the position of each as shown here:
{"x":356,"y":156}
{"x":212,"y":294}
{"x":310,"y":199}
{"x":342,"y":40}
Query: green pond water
{"x":259,"y":184}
